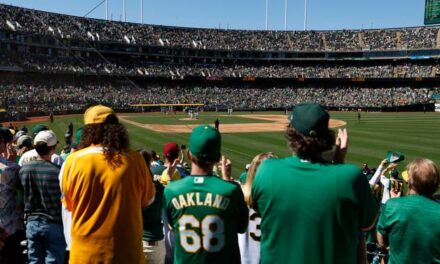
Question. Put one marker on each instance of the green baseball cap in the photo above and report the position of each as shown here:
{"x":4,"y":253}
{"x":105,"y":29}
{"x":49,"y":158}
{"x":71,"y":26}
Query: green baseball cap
{"x":38,"y":128}
{"x":309,"y":119}
{"x":205,"y":143}
{"x":395,"y":156}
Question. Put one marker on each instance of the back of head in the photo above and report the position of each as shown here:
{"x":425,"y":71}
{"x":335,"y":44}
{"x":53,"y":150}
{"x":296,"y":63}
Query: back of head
{"x":102,"y":127}
{"x":45,"y":141}
{"x":6,"y":135}
{"x":308,"y":132}
{"x":171,"y":151}
{"x":423,"y":177}
{"x":251,"y":174}
{"x":205,"y":145}
{"x":24,"y":141}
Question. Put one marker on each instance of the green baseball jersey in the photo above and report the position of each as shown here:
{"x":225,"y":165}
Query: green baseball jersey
{"x":411,"y":225}
{"x":311,"y":212}
{"x":206,"y":213}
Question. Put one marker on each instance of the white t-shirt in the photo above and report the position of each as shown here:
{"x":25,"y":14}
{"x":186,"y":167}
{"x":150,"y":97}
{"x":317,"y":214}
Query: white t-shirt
{"x":386,"y":188}
{"x":32,"y":154}
{"x":249,"y":241}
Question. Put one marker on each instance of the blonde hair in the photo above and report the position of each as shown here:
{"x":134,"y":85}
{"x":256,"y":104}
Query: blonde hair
{"x":423,"y":177}
{"x":251,"y":175}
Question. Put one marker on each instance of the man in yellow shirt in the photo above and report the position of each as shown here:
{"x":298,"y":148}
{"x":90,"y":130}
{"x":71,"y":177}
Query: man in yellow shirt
{"x":104,"y":185}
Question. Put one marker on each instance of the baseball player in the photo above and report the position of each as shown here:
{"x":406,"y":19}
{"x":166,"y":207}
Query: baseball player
{"x":205,"y":211}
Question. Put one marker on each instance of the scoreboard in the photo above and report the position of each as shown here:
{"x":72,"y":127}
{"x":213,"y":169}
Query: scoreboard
{"x":432,"y":12}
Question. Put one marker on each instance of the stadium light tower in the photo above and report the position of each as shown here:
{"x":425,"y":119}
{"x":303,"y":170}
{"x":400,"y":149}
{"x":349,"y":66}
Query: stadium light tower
{"x":305,"y":15}
{"x":285,"y":15}
{"x":142,"y":11}
{"x":124,"y":14}
{"x":267,"y":7}
{"x":106,"y":9}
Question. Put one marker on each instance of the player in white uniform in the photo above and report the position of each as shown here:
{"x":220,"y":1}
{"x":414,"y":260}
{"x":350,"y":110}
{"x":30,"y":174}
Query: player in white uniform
{"x":249,"y":241}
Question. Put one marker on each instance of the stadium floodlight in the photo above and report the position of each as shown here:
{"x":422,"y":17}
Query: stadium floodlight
{"x":106,"y":9}
{"x":285,"y":15}
{"x":267,"y":7}
{"x":124,"y":14}
{"x":305,"y":15}
{"x":142,"y":11}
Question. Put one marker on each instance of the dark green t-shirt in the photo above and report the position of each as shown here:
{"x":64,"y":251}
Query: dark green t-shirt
{"x":206,"y":214}
{"x":412,"y":226}
{"x":152,"y":215}
{"x":311,"y":212}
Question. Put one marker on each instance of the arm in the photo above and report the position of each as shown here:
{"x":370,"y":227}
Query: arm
{"x":243,"y":211}
{"x":226,"y":169}
{"x":341,"y":146}
{"x":381,"y":241}
{"x":383,"y":227}
{"x":148,"y":189}
{"x":375,"y":178}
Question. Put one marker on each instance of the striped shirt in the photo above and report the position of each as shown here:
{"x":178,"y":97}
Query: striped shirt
{"x":11,"y":213}
{"x":42,"y":194}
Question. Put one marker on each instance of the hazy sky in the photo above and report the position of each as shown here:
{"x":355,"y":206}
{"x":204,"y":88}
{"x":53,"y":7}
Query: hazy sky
{"x":248,"y":14}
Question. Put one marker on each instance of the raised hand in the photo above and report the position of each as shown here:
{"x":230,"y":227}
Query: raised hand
{"x":341,"y":146}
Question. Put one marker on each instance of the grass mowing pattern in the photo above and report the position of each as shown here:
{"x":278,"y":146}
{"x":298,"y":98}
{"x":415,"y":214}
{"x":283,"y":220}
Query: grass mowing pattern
{"x":417,"y":135}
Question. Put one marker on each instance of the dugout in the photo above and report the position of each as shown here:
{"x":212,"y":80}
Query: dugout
{"x":166,"y":107}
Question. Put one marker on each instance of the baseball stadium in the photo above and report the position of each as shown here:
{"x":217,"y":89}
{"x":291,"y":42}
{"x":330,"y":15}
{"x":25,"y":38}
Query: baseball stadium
{"x":163,"y":82}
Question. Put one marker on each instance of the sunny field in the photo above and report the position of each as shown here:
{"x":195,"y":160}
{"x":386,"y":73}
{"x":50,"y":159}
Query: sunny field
{"x":414,"y":134}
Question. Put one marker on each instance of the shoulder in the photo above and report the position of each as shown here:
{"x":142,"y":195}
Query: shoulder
{"x":85,"y":152}
{"x":347,"y":169}
{"x":7,"y":165}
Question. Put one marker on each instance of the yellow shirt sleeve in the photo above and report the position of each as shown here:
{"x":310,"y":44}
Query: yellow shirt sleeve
{"x":64,"y":183}
{"x":165,"y":179}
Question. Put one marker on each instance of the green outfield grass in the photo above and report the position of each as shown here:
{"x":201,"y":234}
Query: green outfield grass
{"x":415,"y":134}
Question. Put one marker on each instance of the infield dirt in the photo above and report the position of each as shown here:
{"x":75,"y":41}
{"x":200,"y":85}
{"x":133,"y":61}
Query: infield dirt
{"x":276,"y":123}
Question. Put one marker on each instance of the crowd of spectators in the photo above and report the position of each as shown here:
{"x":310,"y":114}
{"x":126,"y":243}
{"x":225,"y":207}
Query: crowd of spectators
{"x":136,"y":67}
{"x":64,"y":26}
{"x":57,"y":97}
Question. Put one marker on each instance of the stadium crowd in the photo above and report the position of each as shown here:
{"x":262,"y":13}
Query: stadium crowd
{"x":136,"y":67}
{"x":64,"y":97}
{"x":131,"y":199}
{"x":63,"y":26}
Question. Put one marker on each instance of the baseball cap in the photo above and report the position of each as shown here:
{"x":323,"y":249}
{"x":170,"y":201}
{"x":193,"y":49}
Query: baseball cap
{"x":205,"y":143}
{"x":19,"y":134}
{"x":395,"y":156}
{"x":97,"y":114}
{"x":6,"y":134}
{"x":24,"y":141}
{"x":46,"y":136}
{"x":171,"y":149}
{"x":38,"y":128}
{"x":309,"y":119}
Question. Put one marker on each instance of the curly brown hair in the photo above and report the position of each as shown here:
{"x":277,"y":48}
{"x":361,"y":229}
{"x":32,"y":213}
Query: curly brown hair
{"x":310,"y":148}
{"x":111,"y":135}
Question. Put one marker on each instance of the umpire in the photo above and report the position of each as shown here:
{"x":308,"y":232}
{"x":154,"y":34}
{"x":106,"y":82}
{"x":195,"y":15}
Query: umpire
{"x":312,"y":210}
